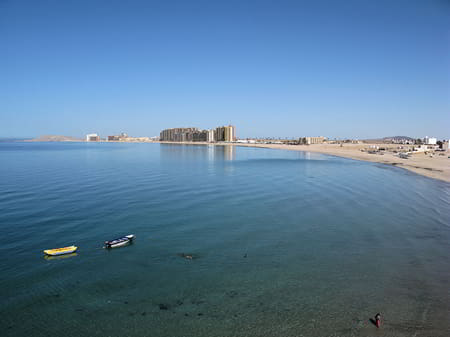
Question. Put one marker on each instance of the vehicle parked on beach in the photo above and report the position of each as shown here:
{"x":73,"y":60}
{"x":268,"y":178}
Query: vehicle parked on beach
{"x":404,"y":155}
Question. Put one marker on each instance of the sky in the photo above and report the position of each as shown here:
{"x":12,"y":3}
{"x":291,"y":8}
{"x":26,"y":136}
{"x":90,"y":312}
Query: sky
{"x":340,"y":69}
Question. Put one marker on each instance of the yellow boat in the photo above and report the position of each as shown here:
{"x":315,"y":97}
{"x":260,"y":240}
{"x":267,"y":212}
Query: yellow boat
{"x":61,"y":251}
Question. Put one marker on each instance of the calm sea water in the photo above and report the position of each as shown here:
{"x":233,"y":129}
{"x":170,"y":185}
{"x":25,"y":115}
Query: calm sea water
{"x":284,"y":243}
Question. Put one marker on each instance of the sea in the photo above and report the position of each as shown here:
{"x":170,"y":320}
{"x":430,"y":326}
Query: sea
{"x":230,"y":241}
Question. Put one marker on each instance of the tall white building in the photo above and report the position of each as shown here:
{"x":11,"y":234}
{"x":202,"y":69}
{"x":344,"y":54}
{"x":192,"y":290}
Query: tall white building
{"x":210,"y":136}
{"x":430,"y":141}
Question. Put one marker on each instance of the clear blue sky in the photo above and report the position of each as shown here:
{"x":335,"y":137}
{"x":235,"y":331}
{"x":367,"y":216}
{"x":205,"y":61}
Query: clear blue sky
{"x":357,"y":69}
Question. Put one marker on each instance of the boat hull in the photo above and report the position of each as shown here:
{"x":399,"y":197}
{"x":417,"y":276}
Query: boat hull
{"x":61,"y":251}
{"x":124,"y":241}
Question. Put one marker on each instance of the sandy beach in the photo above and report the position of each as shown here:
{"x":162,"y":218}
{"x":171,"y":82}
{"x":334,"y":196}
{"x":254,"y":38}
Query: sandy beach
{"x":436,"y":167}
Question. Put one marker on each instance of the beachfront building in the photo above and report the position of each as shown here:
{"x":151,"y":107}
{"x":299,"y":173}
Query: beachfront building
{"x":230,"y":133}
{"x":178,"y":134}
{"x":226,"y":133}
{"x":311,"y":140}
{"x":445,"y":146}
{"x":200,"y":136}
{"x":92,"y":137}
{"x":430,"y":140}
{"x":210,"y":136}
{"x":220,"y":134}
{"x":116,"y":138}
{"x":425,"y":148}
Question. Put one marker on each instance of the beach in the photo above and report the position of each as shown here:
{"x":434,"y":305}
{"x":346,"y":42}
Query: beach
{"x":436,"y":167}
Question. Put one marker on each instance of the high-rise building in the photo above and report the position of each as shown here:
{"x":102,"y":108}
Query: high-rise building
{"x":226,"y":133}
{"x":200,"y":136}
{"x":220,"y":134}
{"x":230,"y":133}
{"x":177,"y":134}
{"x":210,"y":136}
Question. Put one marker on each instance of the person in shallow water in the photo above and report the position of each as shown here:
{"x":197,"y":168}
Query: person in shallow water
{"x":378,"y":320}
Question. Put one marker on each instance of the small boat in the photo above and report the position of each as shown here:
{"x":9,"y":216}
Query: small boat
{"x":61,"y":251}
{"x":123,"y":241}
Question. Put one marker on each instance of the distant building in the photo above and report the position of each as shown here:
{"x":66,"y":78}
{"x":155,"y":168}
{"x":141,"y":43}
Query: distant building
{"x":445,"y":145}
{"x":92,"y":137}
{"x":225,"y":133}
{"x":220,"y":134}
{"x":311,"y":140}
{"x":430,"y":141}
{"x":425,"y":148}
{"x":178,"y":134}
{"x":200,"y":136}
{"x":210,"y":136}
{"x":116,"y":138}
{"x":230,"y":133}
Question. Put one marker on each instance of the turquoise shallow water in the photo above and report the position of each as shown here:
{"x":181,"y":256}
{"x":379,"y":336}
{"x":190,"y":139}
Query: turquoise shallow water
{"x":285,"y":243}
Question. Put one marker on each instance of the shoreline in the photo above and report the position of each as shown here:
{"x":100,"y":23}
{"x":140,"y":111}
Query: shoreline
{"x":436,"y":167}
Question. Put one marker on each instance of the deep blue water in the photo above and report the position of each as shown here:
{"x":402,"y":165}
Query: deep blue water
{"x":285,"y":243}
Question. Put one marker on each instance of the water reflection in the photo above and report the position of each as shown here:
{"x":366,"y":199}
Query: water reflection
{"x":197,"y":152}
{"x":59,"y":257}
{"x":225,"y":152}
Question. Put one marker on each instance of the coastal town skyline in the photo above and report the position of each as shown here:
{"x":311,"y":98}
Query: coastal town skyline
{"x":344,"y":70}
{"x":212,"y":137}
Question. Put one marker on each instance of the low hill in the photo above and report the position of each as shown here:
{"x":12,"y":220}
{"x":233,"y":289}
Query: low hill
{"x":55,"y":138}
{"x":393,"y":139}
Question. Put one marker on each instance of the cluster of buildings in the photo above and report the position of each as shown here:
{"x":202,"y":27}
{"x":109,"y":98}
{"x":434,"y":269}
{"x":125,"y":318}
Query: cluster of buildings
{"x":228,"y":134}
{"x":431,"y":144}
{"x":122,"y":137}
{"x":94,"y":137}
{"x":219,"y":134}
{"x":117,"y":138}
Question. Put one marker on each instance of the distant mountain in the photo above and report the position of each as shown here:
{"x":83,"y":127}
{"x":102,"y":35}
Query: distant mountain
{"x":55,"y":138}
{"x":397,"y":138}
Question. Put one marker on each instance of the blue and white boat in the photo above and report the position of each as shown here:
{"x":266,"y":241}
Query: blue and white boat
{"x":123,"y":241}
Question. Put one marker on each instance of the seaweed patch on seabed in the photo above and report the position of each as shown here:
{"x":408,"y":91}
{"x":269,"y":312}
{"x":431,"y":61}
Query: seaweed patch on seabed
{"x":419,"y":167}
{"x":167,"y":306}
{"x":163,"y":306}
{"x":428,"y":168}
{"x":232,"y":294}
